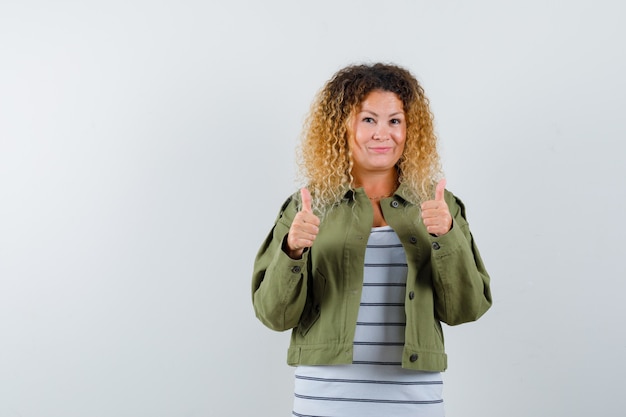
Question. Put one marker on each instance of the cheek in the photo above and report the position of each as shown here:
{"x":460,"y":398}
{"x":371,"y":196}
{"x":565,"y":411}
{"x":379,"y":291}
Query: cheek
{"x":401,"y":144}
{"x":360,"y":136}
{"x":401,"y":138}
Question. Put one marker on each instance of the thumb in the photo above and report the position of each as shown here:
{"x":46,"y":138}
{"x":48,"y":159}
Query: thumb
{"x":441,"y":186}
{"x":306,"y":200}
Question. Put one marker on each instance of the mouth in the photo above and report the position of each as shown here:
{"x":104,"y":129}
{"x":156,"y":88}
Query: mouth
{"x":380,"y":149}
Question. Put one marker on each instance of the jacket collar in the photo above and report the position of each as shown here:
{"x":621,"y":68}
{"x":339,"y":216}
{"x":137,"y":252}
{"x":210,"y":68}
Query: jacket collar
{"x":400,"y":193}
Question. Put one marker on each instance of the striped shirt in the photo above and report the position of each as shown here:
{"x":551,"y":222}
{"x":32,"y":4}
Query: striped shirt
{"x":375,"y":384}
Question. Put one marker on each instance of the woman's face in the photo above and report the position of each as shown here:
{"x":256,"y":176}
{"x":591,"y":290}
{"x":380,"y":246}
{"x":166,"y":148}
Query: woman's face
{"x":378,"y":133}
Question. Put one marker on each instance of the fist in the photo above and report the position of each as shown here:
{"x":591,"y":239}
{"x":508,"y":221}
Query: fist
{"x":435,"y":213}
{"x":304,"y":228}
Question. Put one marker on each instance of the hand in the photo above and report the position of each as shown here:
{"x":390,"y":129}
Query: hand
{"x":304,"y":228}
{"x":435,"y":213}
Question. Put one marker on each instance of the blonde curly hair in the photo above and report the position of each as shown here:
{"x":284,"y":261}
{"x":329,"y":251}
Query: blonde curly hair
{"x":324,"y":155}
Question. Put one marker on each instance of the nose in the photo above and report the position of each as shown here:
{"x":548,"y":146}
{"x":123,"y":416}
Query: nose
{"x":381,"y":133}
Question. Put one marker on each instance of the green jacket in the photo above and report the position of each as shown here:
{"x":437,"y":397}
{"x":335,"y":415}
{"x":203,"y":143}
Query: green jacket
{"x":318,"y":296}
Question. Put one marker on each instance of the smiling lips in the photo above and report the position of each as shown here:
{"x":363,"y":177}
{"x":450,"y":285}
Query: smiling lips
{"x":380,"y":149}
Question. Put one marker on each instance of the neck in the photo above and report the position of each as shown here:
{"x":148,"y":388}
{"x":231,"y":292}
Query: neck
{"x":378,"y":185}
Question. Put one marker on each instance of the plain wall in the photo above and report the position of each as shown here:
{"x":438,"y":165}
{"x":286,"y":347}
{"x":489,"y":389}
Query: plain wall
{"x":146,"y":147}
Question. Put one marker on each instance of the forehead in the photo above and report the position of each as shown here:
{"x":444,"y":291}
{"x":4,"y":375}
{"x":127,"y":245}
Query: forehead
{"x":381,"y":99}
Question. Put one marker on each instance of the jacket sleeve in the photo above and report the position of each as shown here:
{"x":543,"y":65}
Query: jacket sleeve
{"x":461,"y":283}
{"x":279,"y":283}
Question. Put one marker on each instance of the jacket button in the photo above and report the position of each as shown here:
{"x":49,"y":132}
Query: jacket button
{"x":395,"y":204}
{"x":296,"y":269}
{"x":436,"y":246}
{"x":411,"y":295}
{"x":413,"y":357}
{"x":413,"y":239}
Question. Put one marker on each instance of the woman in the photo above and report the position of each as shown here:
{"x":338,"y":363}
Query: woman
{"x":366,"y":261}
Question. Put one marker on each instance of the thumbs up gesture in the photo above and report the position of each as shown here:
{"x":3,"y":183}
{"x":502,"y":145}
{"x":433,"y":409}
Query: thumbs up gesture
{"x":435,"y":213}
{"x":304,"y":228}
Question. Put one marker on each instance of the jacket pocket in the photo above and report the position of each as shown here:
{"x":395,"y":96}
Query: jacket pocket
{"x":312,"y":308}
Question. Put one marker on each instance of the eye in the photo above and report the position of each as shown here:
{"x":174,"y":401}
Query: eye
{"x":368,"y":120}
{"x":395,"y":121}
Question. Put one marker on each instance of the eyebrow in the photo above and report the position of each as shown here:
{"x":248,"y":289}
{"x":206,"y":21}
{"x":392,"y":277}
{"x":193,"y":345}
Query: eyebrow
{"x":376,"y":114}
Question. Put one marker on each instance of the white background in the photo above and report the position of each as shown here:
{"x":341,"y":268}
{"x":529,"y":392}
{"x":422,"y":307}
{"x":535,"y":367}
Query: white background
{"x":146,"y":146}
